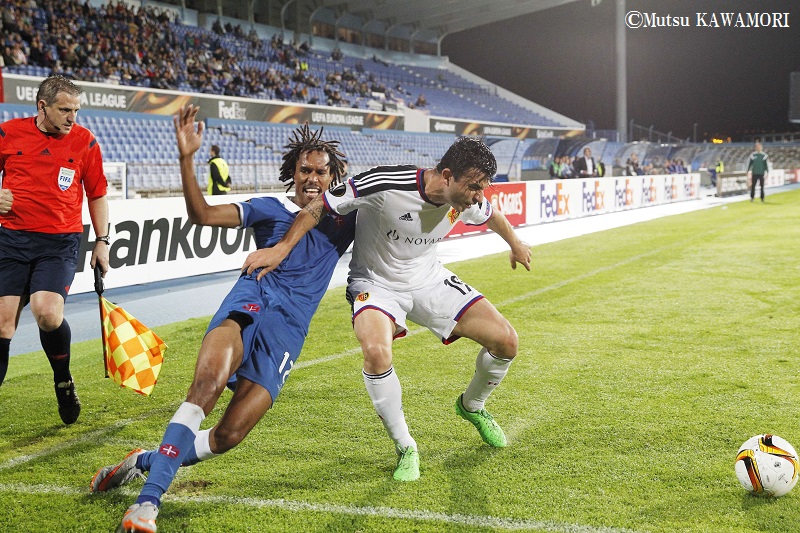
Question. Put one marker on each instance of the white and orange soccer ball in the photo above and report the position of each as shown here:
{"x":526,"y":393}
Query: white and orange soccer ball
{"x":766,"y":465}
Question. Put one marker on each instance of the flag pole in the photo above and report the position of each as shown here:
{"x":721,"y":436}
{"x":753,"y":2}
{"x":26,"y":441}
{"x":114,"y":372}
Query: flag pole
{"x":98,"y":288}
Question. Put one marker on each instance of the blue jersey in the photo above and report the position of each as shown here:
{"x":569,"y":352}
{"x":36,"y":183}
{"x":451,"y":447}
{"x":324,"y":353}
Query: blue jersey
{"x":302,"y":278}
{"x":279,"y":307}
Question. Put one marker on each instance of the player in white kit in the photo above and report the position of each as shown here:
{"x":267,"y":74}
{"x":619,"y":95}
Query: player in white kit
{"x":403,"y":212}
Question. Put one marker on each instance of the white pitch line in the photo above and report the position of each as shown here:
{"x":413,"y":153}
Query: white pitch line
{"x":352,"y":351}
{"x":494,"y":522}
{"x":580,"y":277}
{"x":91,"y":436}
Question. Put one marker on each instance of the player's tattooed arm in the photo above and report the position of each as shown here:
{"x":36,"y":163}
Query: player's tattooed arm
{"x":268,"y":259}
{"x":316,"y":209}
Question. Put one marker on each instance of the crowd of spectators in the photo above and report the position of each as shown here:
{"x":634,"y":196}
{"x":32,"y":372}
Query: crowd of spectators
{"x":563,"y":167}
{"x":670,"y":166}
{"x":144,"y":46}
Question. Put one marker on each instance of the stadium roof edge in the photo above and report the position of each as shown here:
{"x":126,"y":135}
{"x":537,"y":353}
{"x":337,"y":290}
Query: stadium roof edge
{"x":444,"y":17}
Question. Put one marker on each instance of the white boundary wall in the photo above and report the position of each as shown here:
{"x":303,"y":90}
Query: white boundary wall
{"x":152,"y":239}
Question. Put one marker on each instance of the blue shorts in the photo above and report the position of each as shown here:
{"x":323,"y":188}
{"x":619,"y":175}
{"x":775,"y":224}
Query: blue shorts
{"x":31,"y":262}
{"x":272,"y":341}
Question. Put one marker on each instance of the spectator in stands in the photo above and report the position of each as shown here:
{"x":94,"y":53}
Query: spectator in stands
{"x":392,"y":280}
{"x":554,"y":167}
{"x":7,"y":57}
{"x":421,"y":101}
{"x":336,"y":53}
{"x":219,"y":180}
{"x":757,"y":170}
{"x":48,"y":161}
{"x":258,"y":332}
{"x":252,"y":37}
{"x":715,"y":171}
{"x":217,"y":28}
{"x":18,"y":52}
{"x":567,"y":168}
{"x":632,"y":167}
{"x":585,"y":167}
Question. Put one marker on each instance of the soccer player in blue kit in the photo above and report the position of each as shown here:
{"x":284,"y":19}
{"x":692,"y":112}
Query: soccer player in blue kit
{"x":257,"y":334}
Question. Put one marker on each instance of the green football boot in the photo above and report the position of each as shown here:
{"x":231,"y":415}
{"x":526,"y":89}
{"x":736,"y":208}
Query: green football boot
{"x":407,"y":465}
{"x":491,"y":433}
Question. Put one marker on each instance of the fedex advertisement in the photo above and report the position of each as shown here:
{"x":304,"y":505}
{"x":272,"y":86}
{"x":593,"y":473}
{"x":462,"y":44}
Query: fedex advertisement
{"x":552,"y":200}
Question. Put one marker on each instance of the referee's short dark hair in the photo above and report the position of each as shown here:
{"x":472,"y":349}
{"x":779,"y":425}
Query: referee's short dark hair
{"x":468,"y":154}
{"x":215,"y":149}
{"x":49,"y":88}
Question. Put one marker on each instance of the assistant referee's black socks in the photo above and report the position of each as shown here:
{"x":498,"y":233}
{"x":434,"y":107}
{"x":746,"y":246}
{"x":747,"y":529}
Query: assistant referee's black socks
{"x":56,"y":346}
{"x":5,"y":348}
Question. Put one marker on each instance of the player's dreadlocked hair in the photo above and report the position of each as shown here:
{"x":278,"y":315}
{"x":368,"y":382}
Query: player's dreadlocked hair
{"x":466,"y":154}
{"x":304,"y":140}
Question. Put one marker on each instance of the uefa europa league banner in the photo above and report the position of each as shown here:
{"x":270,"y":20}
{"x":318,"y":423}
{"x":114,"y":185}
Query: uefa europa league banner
{"x":19,"y":89}
{"x":485,"y":129}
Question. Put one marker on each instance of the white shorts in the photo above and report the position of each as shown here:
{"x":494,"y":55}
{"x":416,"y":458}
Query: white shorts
{"x":438,"y":306}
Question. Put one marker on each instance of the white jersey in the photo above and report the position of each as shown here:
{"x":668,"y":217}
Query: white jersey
{"x":398,"y":227}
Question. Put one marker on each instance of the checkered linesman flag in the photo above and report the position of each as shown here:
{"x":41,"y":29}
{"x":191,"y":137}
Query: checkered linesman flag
{"x":132,"y":353}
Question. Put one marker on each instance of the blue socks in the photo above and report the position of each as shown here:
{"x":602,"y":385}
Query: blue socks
{"x":177,"y":445}
{"x":201,"y":450}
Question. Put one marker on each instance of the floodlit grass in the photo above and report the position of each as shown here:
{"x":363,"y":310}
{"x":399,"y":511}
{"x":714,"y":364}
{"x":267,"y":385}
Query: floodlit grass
{"x":648,"y":354}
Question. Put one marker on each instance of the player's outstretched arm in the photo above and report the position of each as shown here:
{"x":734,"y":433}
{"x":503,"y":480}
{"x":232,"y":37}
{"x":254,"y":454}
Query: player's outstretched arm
{"x":189,"y":135}
{"x":520,"y":251}
{"x":268,"y":259}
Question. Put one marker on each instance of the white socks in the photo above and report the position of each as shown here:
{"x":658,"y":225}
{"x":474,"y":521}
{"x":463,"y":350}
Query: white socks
{"x":489,"y":372}
{"x":189,"y":415}
{"x":387,"y":398}
{"x":202,"y":447}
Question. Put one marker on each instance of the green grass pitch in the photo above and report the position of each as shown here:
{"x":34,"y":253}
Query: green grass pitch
{"x":648,"y":354}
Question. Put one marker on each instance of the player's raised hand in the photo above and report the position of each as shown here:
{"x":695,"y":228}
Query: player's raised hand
{"x":520,"y":253}
{"x":188,"y":133}
{"x":6,"y":199}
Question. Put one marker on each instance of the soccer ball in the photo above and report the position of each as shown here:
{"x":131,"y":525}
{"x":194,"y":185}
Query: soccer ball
{"x":766,"y":465}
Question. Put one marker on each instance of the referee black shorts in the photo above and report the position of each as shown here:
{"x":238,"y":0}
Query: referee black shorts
{"x":31,"y":262}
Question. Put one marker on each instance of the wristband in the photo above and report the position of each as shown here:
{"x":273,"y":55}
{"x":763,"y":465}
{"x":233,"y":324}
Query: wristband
{"x":104,"y":239}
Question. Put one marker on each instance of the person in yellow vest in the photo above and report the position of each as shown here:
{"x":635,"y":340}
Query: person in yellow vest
{"x":219,"y":181}
{"x":718,"y":169}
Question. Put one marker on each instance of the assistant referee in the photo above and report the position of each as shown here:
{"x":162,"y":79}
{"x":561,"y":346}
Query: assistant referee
{"x":47,"y":162}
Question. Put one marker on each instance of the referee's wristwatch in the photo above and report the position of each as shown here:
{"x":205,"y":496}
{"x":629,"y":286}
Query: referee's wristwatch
{"x":104,"y":239}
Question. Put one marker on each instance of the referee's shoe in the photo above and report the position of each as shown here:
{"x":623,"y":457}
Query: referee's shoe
{"x":69,"y":406}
